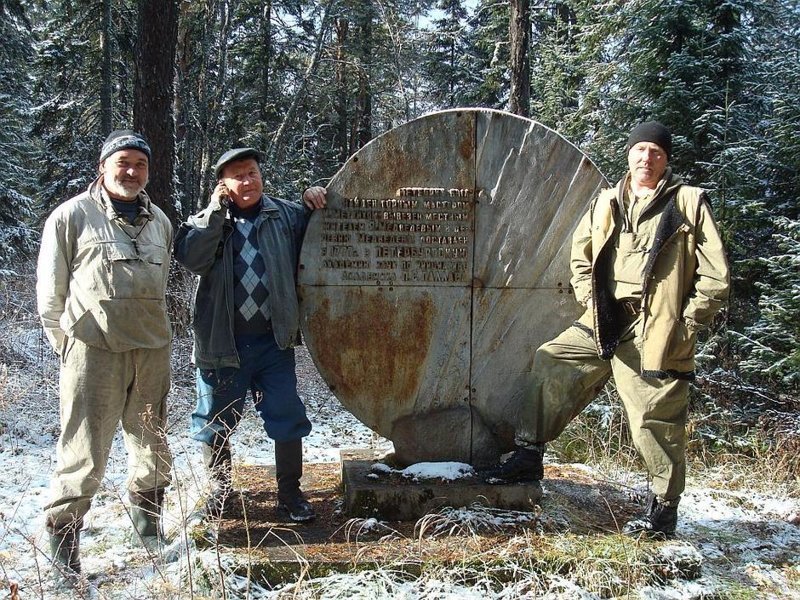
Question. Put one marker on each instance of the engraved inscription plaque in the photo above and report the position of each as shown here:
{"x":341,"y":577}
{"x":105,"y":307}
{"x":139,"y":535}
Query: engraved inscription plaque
{"x":439,"y":266}
{"x":422,"y":235}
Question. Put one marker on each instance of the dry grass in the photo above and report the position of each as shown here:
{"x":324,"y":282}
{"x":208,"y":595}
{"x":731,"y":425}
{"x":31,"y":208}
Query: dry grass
{"x":521,"y":561}
{"x":763,"y":456}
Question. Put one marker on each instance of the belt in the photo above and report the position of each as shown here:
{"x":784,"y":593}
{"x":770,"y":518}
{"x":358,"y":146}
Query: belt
{"x":630,"y":307}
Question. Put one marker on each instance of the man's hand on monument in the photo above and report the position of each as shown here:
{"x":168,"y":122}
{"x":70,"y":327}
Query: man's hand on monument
{"x":315,"y":197}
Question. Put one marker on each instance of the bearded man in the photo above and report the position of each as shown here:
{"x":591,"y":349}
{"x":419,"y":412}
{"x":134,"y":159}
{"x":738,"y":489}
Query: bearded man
{"x":101,"y":283}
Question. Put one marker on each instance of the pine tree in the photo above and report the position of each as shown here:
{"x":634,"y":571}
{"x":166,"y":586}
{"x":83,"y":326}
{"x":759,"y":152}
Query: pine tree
{"x":445,"y":68}
{"x":17,"y":147}
{"x":772,"y":343}
{"x":488,"y":83}
{"x":69,"y":66}
{"x":566,"y":44}
{"x":768,"y":233}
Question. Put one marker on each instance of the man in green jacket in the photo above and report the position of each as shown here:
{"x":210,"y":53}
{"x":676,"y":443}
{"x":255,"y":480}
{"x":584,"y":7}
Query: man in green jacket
{"x":101,"y":284}
{"x":649,"y":266}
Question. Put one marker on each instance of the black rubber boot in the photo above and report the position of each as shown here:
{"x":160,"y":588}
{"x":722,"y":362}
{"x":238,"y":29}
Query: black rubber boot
{"x":218,"y":459}
{"x":146,"y":512}
{"x":288,"y":471}
{"x":65,"y":544}
{"x":525,"y":464}
{"x":659,"y":521}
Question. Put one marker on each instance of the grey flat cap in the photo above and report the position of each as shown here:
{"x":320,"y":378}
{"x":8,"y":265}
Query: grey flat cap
{"x":235,"y":154}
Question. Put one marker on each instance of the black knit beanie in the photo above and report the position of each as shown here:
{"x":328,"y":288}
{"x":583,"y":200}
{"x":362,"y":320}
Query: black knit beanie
{"x":123,"y":139}
{"x":651,"y":131}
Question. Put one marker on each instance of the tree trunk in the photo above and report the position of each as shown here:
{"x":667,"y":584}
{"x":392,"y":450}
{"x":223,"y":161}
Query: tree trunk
{"x":106,"y":85}
{"x":153,"y":113}
{"x":212,"y":89}
{"x":184,"y":138}
{"x":520,"y":36}
{"x":364,"y":102}
{"x":266,"y":101}
{"x":341,"y":102}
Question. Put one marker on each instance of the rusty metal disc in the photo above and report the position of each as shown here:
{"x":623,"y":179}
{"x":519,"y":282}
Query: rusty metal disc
{"x":439,"y":266}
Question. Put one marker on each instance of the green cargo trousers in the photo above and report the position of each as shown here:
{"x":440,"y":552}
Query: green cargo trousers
{"x":568,"y":375}
{"x":100,"y":389}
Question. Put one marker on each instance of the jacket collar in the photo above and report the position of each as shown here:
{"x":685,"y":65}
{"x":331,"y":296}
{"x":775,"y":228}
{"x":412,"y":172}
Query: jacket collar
{"x":268,"y":208}
{"x":99,"y":195}
{"x":669,"y":181}
{"x":268,"y":204}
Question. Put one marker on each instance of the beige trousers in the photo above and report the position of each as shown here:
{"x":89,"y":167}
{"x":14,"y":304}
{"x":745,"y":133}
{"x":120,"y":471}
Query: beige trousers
{"x":568,"y":375}
{"x":100,"y":389}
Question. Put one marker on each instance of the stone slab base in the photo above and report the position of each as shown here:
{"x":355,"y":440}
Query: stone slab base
{"x":392,"y":497}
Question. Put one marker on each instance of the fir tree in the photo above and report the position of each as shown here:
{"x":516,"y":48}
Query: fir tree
{"x":445,"y":68}
{"x":69,"y":119}
{"x":488,"y":55}
{"x":17,"y":147}
{"x":772,"y":343}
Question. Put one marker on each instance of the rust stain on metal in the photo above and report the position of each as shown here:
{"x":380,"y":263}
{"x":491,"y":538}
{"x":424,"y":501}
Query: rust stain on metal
{"x":382,"y":348}
{"x":398,"y":358}
{"x":466,"y":149}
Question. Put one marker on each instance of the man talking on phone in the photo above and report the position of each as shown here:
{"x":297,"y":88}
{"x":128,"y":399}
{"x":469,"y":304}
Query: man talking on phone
{"x":245,"y":247}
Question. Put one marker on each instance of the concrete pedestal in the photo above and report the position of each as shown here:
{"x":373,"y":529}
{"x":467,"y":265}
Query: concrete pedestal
{"x":392,"y":497}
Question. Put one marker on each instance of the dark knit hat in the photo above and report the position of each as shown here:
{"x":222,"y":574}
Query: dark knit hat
{"x":235,"y":154}
{"x":123,"y":139}
{"x":651,"y":131}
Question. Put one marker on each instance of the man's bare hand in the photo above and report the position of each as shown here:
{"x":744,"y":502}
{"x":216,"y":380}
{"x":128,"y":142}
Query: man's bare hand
{"x":315,"y":197}
{"x":221,"y":195}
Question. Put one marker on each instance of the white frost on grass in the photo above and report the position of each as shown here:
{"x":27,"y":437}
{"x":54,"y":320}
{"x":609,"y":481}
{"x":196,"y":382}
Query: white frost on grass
{"x":746,"y":539}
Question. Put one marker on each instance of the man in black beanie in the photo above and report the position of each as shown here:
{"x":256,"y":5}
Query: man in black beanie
{"x":101,"y":285}
{"x":650,"y":269}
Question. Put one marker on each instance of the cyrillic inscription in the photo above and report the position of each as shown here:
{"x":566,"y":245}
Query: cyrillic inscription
{"x":422,"y":236}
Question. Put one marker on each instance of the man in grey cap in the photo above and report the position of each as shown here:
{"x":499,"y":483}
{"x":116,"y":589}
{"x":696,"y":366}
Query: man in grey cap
{"x":649,"y":267}
{"x":101,"y":284}
{"x":245,"y":247}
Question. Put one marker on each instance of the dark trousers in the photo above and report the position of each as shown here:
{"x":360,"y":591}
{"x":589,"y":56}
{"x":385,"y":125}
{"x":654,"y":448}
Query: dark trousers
{"x":269,"y":373}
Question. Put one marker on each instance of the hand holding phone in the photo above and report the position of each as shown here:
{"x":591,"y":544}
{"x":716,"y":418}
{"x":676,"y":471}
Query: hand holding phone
{"x":222,"y":193}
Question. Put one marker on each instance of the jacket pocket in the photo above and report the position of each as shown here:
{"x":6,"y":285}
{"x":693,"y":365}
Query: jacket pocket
{"x":135,"y":271}
{"x":681,"y":348}
{"x":586,"y":320}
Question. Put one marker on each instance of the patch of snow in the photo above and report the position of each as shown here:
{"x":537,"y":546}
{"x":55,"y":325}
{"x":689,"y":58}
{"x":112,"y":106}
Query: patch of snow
{"x":445,"y":471}
{"x":449,"y":471}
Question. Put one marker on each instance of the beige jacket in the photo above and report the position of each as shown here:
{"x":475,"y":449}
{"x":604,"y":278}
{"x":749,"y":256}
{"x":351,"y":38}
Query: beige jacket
{"x":102,"y":280}
{"x":684,"y":283}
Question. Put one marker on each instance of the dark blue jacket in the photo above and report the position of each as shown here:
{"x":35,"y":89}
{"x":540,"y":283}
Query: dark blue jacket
{"x":203,"y":244}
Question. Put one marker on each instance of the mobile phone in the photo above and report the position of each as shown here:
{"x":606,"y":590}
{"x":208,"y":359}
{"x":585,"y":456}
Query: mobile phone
{"x":224,"y":197}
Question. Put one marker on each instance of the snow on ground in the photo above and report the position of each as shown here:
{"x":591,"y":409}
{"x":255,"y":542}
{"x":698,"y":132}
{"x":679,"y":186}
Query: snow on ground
{"x":741,"y":536}
{"x":447,"y":471}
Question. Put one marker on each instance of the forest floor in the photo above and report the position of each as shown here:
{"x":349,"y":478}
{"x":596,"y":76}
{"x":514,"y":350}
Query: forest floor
{"x":735,"y":539}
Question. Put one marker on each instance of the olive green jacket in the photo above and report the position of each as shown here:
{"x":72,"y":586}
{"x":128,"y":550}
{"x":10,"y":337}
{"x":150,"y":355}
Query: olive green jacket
{"x":684,"y":283}
{"x":100,"y":279}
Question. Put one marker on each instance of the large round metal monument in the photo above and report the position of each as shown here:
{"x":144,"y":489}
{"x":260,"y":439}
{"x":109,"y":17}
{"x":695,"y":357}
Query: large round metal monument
{"x":439,"y":266}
